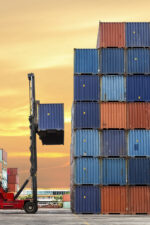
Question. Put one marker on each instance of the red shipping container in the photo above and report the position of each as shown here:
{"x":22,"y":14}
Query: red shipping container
{"x":12,"y":187}
{"x":13,"y":179}
{"x":139,"y":199}
{"x":4,"y":156}
{"x":113,"y":115}
{"x":114,"y":199}
{"x":12,"y":171}
{"x":66,"y":198}
{"x":138,"y":115}
{"x":111,"y":35}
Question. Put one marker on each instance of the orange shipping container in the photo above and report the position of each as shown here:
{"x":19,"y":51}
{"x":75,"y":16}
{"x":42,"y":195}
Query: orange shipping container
{"x":13,"y":187}
{"x":138,"y":115}
{"x":113,"y":115}
{"x":111,"y":35}
{"x":66,"y":198}
{"x":13,"y":179}
{"x":139,"y":200}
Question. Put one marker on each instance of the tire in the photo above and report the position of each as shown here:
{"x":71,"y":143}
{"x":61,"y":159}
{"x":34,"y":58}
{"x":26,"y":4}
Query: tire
{"x":30,"y":207}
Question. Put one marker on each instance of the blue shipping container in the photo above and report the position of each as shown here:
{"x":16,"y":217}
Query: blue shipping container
{"x":114,"y":171}
{"x":87,"y":143}
{"x":139,"y":171}
{"x":139,"y":143}
{"x":138,"y":61}
{"x":113,"y":88}
{"x":138,"y":34}
{"x":87,"y":170}
{"x":114,"y":143}
{"x":138,"y":88}
{"x":86,"y":115}
{"x":87,"y":199}
{"x":86,"y":61}
{"x":86,"y":88}
{"x":112,"y":61}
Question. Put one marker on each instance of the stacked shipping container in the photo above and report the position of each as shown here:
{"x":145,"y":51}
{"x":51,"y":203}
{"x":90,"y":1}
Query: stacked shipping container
{"x":3,"y":168}
{"x":13,"y":179}
{"x":111,"y":122}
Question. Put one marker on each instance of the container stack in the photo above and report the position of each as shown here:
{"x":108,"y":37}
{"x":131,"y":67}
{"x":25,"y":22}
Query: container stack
{"x":3,"y":168}
{"x":110,"y":149}
{"x":13,"y":179}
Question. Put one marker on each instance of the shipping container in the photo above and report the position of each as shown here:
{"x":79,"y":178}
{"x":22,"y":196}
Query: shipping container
{"x":138,"y":34}
{"x":112,"y":61}
{"x":138,"y":61}
{"x":66,"y":198}
{"x":113,"y":115}
{"x":13,"y":179}
{"x":87,"y":199}
{"x":86,"y":115}
{"x":139,"y":143}
{"x":85,"y":61}
{"x":12,"y":171}
{"x":66,"y":205}
{"x":114,"y":143}
{"x":87,"y":143}
{"x":87,"y":171}
{"x":139,"y":171}
{"x":51,"y":123}
{"x":86,"y":88}
{"x":111,"y":35}
{"x":13,"y":187}
{"x":113,"y":88}
{"x":138,"y":115}
{"x":113,"y":199}
{"x":139,"y":200}
{"x":113,"y":171}
{"x":138,"y":88}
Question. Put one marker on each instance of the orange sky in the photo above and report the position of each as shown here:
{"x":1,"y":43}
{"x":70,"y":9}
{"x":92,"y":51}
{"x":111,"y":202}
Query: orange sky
{"x":39,"y":36}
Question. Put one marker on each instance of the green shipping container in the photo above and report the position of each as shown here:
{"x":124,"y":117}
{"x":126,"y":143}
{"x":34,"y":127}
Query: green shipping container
{"x":66,"y":205}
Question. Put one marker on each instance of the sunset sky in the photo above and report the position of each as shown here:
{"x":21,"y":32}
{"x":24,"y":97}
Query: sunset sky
{"x":39,"y":36}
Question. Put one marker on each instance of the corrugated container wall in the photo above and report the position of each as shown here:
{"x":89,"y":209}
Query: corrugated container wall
{"x":113,"y":200}
{"x":138,"y":88}
{"x":111,"y":61}
{"x":86,"y":143}
{"x":87,"y":171}
{"x":86,"y":115}
{"x":85,"y":61}
{"x":139,"y":143}
{"x":139,"y":200}
{"x":113,"y":115}
{"x":114,"y":171}
{"x":87,"y":199}
{"x":113,"y":88}
{"x":86,"y":88}
{"x":111,"y":35}
{"x":139,"y":171}
{"x":13,"y":179}
{"x":12,"y":171}
{"x":138,"y":61}
{"x":138,"y":115}
{"x":114,"y":143}
{"x":137,"y":34}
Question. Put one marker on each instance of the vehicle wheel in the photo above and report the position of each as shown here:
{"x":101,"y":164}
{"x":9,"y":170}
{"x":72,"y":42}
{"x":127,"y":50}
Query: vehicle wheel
{"x":30,"y":207}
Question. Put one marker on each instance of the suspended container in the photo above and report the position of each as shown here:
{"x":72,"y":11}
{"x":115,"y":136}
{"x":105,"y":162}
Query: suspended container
{"x":85,"y":61}
{"x":113,"y":143}
{"x":138,"y":34}
{"x":114,"y":200}
{"x":139,"y":171}
{"x":139,"y":143}
{"x":139,"y":200}
{"x":86,"y":199}
{"x":86,"y":115}
{"x":13,"y":187}
{"x":138,"y":115}
{"x":12,"y":171}
{"x":13,"y":179}
{"x":87,"y":171}
{"x":111,"y":61}
{"x":87,"y":143}
{"x":113,"y":88}
{"x":51,"y":123}
{"x":138,"y":88}
{"x":111,"y":35}
{"x":113,"y":115}
{"x":138,"y":61}
{"x":86,"y":88}
{"x":113,"y":171}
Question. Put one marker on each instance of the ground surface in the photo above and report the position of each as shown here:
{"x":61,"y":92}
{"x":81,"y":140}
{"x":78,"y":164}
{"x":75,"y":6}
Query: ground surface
{"x":65,"y":217}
